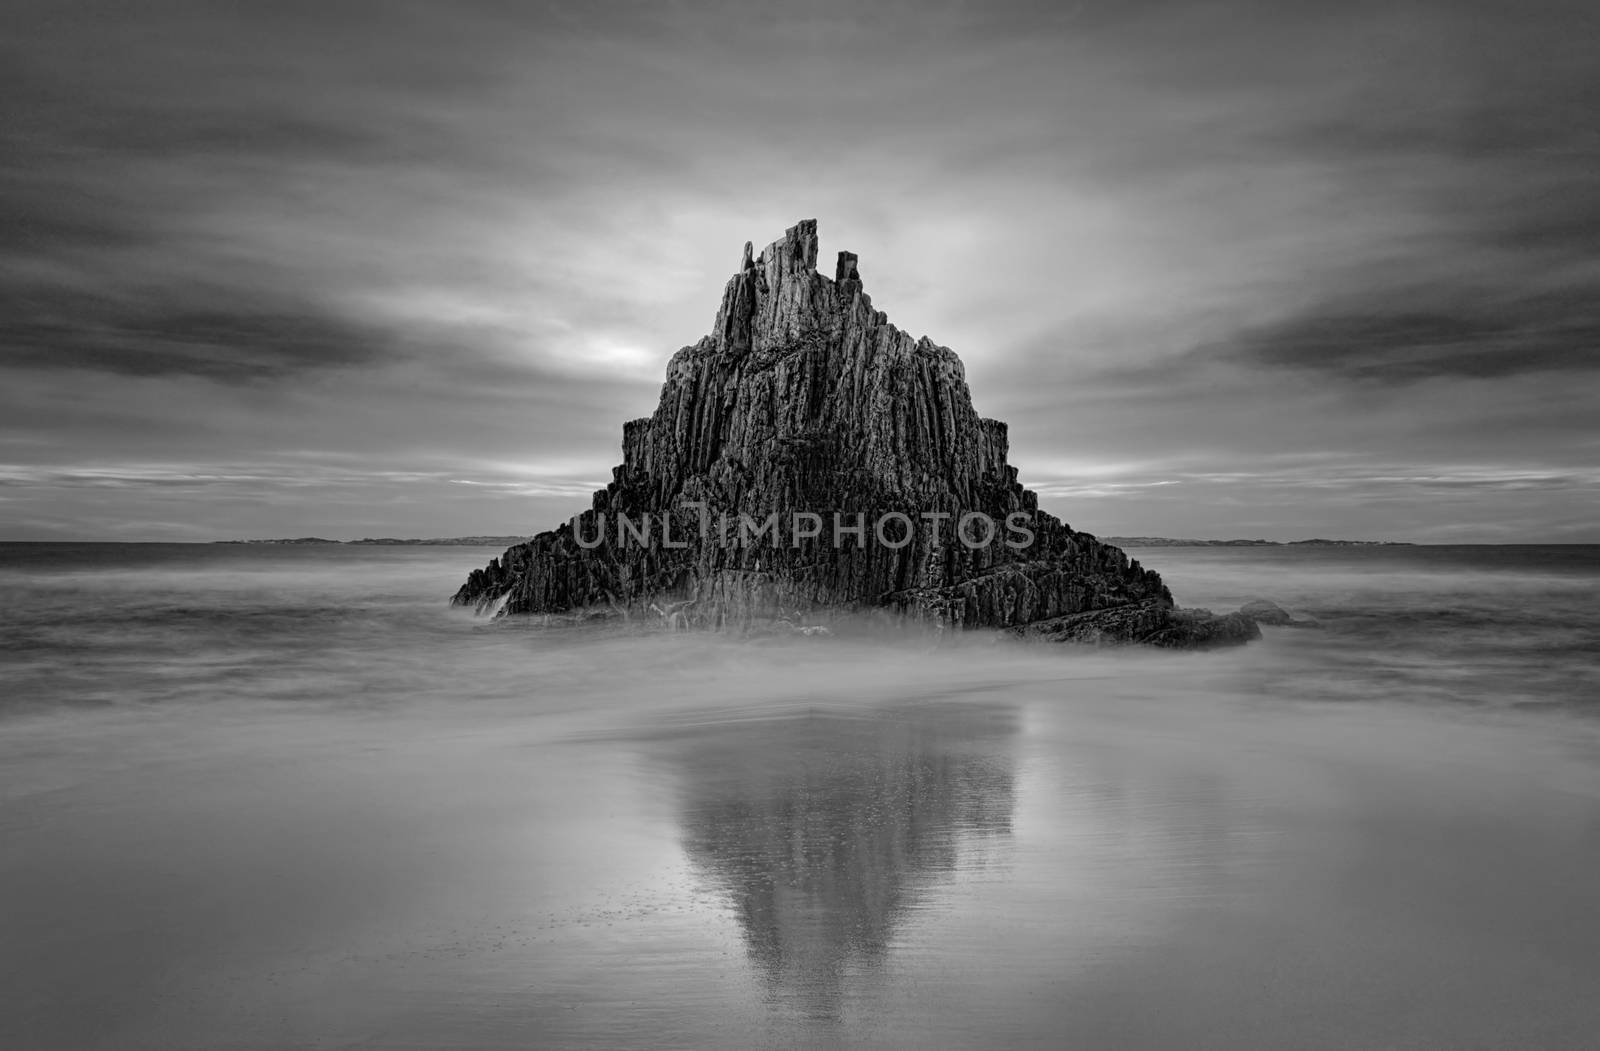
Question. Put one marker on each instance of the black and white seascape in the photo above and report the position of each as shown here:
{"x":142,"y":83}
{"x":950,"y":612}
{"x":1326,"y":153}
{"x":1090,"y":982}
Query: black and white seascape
{"x":491,"y":559}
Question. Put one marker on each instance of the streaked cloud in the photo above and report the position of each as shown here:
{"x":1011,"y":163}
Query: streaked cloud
{"x":1222,"y":266}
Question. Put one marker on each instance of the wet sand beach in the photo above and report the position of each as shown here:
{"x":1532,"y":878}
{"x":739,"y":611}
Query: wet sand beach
{"x":507,"y":838}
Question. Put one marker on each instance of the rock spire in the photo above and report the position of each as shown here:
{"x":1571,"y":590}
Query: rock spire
{"x":857,"y":447}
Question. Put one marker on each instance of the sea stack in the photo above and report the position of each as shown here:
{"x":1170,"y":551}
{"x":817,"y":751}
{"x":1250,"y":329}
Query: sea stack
{"x":809,"y":462}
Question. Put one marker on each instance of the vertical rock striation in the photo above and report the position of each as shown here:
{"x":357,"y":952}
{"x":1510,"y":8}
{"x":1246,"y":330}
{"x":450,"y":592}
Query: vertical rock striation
{"x":806,"y":407}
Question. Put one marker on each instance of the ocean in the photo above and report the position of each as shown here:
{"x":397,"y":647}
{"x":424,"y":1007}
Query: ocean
{"x":285,"y":797}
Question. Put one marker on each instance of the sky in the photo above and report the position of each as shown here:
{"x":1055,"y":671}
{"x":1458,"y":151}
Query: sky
{"x":1271,"y":270}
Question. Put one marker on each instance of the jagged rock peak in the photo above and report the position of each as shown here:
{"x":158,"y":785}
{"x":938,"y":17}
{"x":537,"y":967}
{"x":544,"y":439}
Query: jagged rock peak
{"x":805,"y":407}
{"x":799,"y":244}
{"x":777,"y":297}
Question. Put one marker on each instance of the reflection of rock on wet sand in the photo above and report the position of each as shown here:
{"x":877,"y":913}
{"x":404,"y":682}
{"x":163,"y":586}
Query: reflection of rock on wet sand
{"x":824,"y":829}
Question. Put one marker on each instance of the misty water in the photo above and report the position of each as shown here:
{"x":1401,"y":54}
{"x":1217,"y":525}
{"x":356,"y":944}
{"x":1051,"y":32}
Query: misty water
{"x":283,"y":797}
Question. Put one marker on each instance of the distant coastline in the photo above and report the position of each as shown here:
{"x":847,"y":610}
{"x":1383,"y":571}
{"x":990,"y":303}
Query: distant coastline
{"x":389,"y":541}
{"x":1167,"y":541}
{"x":1119,"y":541}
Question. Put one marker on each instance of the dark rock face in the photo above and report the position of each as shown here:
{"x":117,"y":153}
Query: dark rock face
{"x":1149,"y":622}
{"x":804,"y":401}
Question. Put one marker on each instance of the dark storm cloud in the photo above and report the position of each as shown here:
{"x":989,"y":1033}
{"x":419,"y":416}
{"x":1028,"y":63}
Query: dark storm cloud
{"x":1386,"y":341}
{"x":204,"y":338}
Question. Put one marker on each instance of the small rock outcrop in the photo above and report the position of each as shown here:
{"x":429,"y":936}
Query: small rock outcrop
{"x":1265,"y":611}
{"x":808,"y":460}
